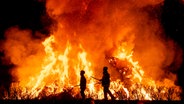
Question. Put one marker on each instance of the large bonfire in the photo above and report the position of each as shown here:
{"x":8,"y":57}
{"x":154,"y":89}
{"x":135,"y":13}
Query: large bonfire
{"x":124,"y":35}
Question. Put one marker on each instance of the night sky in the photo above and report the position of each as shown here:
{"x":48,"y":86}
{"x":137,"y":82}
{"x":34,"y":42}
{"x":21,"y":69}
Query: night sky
{"x":31,"y":14}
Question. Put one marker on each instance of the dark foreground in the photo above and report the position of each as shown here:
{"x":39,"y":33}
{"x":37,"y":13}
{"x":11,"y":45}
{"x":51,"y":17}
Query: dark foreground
{"x":87,"y":101}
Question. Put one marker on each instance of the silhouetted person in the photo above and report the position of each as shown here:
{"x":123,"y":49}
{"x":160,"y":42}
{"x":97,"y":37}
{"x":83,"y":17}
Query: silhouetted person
{"x":106,"y":83}
{"x":82,"y":84}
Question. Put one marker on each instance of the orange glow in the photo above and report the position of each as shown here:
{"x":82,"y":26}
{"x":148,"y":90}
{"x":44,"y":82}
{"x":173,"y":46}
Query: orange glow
{"x":88,"y":35}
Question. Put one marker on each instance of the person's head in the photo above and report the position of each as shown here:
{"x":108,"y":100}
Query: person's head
{"x":82,"y":72}
{"x":105,"y":68}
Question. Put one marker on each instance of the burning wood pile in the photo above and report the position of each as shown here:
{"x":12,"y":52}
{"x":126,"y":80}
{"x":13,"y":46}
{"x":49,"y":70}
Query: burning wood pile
{"x":132,"y":90}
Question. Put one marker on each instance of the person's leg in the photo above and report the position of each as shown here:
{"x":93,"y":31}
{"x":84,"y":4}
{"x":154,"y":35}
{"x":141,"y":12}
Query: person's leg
{"x":82,"y":94}
{"x":105,"y":93}
{"x":111,"y":95}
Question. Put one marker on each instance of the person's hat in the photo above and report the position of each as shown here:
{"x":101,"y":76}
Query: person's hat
{"x":82,"y":71}
{"x":105,"y":68}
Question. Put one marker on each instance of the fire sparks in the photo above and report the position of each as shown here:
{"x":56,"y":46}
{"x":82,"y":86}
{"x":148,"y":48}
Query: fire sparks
{"x":81,"y":43}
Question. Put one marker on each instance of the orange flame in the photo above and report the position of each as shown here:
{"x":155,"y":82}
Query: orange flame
{"x":80,"y":40}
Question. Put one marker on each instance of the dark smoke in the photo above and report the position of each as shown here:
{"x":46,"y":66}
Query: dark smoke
{"x":26,"y":14}
{"x":173,"y":23}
